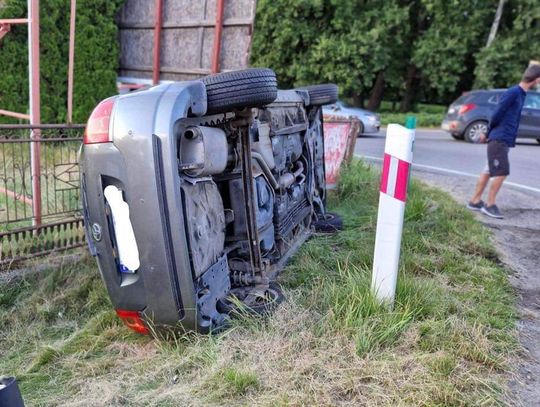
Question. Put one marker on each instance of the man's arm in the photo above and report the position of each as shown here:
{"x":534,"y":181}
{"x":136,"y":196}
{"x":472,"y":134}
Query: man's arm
{"x":506,"y":101}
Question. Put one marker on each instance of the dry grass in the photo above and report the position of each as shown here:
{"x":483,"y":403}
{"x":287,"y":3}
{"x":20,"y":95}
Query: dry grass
{"x":446,"y":343}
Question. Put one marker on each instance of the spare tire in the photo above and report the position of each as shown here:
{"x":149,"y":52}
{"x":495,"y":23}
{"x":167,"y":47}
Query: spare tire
{"x":329,"y":223}
{"x":324,"y":94}
{"x":253,"y":87}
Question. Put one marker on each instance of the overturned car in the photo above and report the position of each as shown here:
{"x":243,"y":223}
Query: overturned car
{"x":196,"y":193}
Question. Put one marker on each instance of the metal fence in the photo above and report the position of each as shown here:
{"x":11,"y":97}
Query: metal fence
{"x":39,"y":199}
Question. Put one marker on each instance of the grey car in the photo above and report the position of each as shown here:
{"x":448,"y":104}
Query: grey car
{"x":468,"y":117}
{"x":196,"y":193}
{"x":371,"y":122}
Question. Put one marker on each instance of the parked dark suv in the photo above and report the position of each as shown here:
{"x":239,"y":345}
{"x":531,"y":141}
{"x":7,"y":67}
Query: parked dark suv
{"x":196,"y":193}
{"x":468,"y":116}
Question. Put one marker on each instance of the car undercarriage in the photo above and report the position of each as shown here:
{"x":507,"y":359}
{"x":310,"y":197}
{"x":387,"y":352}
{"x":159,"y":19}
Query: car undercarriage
{"x":238,"y":186}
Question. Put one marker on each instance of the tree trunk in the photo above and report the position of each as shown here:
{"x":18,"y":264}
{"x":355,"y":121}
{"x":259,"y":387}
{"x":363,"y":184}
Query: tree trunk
{"x":496,"y":21}
{"x":377,"y":92}
{"x":358,"y":99}
{"x":408,"y":95}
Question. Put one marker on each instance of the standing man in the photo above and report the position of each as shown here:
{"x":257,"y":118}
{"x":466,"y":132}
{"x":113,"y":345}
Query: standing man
{"x":502,"y":131}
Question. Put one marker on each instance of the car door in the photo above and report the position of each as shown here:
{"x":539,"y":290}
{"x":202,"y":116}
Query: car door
{"x":529,"y":125}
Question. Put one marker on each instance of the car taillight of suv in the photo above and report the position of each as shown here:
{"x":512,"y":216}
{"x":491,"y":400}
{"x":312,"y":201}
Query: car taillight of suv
{"x":466,"y":108}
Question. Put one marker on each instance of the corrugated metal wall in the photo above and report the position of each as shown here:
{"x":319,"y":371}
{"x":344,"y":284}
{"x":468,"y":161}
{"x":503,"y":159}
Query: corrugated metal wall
{"x":187,"y":37}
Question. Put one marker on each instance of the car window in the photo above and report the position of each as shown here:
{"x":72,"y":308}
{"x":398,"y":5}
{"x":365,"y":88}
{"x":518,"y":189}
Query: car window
{"x":460,"y":100}
{"x":494,"y":99}
{"x":532,"y":101}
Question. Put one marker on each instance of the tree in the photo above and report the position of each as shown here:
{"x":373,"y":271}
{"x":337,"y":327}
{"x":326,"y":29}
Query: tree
{"x":96,"y":58}
{"x":442,"y":51}
{"x":496,"y":22}
{"x":502,"y":64}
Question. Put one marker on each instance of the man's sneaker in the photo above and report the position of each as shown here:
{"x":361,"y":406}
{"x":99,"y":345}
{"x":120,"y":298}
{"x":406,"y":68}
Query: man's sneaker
{"x":475,"y":206}
{"x":492,"y":211}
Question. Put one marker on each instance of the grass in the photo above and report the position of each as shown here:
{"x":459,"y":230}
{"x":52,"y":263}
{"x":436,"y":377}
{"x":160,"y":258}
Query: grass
{"x":59,"y":180}
{"x":447,"y":342}
{"x":427,"y":115}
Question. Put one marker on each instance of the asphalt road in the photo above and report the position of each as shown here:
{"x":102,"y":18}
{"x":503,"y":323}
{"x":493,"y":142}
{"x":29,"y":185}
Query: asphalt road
{"x":436,"y":148}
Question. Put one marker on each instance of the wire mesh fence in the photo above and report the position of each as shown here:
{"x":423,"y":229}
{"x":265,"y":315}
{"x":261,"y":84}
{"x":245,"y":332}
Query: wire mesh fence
{"x":39,"y":199}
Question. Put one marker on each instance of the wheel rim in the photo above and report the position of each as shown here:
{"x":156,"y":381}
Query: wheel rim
{"x":476,"y":131}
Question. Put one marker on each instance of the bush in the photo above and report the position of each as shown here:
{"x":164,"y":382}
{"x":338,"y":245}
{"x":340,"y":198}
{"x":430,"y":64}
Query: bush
{"x":96,"y":58}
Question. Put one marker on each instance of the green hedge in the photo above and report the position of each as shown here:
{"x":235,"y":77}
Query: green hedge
{"x":96,"y":58}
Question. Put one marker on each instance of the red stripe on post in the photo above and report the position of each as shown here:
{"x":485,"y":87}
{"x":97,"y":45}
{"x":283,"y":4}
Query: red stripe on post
{"x":402,"y":180}
{"x":385,"y":170}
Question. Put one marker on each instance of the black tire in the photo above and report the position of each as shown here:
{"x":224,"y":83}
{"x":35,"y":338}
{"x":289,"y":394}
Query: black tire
{"x":473,"y":130}
{"x":457,"y":136}
{"x":361,"y":129}
{"x":538,"y":140}
{"x":330,"y":223}
{"x":227,"y":91}
{"x":260,"y":305}
{"x":319,"y":95}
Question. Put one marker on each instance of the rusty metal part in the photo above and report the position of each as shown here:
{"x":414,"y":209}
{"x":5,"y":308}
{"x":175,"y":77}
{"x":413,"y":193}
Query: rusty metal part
{"x":14,"y":114}
{"x":35,"y":106}
{"x":42,"y":240}
{"x":249,"y":195}
{"x":4,"y":29}
{"x":158,"y":23}
{"x":217,"y":36}
{"x":71,"y":62}
{"x":41,"y":126}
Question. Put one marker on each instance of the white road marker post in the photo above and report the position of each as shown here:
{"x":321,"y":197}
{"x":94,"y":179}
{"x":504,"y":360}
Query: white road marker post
{"x":398,"y":154}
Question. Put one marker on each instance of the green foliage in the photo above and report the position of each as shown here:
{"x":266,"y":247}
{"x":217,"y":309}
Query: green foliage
{"x":454,"y":318}
{"x":502,"y":64}
{"x":96,"y":58}
{"x":419,"y":50}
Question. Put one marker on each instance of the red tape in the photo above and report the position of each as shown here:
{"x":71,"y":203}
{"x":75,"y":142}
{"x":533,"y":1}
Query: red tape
{"x":395,"y":177}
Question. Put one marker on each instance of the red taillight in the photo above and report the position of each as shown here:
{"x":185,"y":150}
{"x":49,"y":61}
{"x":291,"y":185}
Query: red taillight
{"x":133,"y":320}
{"x":97,"y":128}
{"x":467,"y":107}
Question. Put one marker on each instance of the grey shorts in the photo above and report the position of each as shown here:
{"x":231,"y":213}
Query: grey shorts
{"x":497,"y":159}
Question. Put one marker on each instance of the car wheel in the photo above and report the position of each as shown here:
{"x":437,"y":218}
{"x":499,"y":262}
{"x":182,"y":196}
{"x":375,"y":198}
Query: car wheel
{"x":329,"y":223}
{"x":457,"y":136}
{"x":474,"y":130}
{"x":538,"y":140}
{"x":258,"y":302}
{"x":361,"y":129}
{"x":319,"y":95}
{"x":239,"y":89}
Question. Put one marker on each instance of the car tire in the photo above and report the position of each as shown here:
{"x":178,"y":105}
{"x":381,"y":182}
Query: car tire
{"x":457,"y":136}
{"x":227,"y":91}
{"x":538,"y":140}
{"x":324,"y":94}
{"x":329,"y":223}
{"x":473,"y":131}
{"x":273,"y":296}
{"x":361,"y":129}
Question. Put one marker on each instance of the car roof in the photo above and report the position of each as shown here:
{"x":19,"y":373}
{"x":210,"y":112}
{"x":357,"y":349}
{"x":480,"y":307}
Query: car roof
{"x":495,"y":90}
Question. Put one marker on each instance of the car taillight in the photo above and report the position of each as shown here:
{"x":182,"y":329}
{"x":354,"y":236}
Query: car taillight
{"x":466,"y":108}
{"x":97,"y":128}
{"x":133,"y":321}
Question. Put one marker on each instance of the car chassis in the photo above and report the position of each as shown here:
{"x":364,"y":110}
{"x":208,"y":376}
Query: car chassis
{"x":222,"y":180}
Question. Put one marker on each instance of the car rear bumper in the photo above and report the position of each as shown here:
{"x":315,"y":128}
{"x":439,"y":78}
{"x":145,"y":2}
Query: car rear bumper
{"x":453,"y":126}
{"x":371,"y":128}
{"x":142,"y":163}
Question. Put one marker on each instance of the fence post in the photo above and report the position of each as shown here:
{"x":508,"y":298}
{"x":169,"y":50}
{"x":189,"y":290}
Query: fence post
{"x":35,"y":107}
